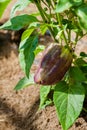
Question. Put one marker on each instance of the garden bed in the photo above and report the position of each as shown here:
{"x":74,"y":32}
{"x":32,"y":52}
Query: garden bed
{"x":19,"y":109}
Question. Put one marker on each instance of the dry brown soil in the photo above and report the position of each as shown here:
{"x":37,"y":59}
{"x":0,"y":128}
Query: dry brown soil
{"x":19,"y":109}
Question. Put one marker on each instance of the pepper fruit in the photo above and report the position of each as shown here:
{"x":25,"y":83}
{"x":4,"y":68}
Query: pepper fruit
{"x":54,"y":64}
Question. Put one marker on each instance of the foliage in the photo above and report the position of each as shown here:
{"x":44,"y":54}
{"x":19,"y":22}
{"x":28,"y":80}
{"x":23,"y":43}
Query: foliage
{"x":61,"y":18}
{"x":3,"y":5}
{"x":24,"y":82}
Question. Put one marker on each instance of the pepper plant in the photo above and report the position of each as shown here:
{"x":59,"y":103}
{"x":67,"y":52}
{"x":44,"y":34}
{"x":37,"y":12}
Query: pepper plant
{"x":62,"y":19}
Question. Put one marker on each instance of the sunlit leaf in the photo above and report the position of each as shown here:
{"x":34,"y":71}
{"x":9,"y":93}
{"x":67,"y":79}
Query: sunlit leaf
{"x":3,"y":5}
{"x":19,"y":5}
{"x":44,"y":91}
{"x":26,"y":53}
{"x":68,"y":101}
{"x":25,"y":82}
{"x":18,"y":22}
{"x":43,"y":28}
{"x":39,"y":49}
{"x":82,"y":14}
{"x":63,"y":5}
{"x":27,"y":33}
{"x":30,"y":30}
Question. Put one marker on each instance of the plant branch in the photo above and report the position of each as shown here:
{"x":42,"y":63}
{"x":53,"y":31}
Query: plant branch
{"x":60,"y":24}
{"x":69,"y":36}
{"x":82,"y":36}
{"x":45,"y":18}
{"x":40,"y":10}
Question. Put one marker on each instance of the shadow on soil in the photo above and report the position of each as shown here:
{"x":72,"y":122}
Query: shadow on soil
{"x":9,"y":41}
{"x":20,"y":122}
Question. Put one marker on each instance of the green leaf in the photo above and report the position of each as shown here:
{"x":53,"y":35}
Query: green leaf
{"x":85,"y":87}
{"x":43,"y":28}
{"x":68,"y":101}
{"x":39,"y":49}
{"x":3,"y":5}
{"x":73,"y":26}
{"x":63,"y":5}
{"x":26,"y":53}
{"x":76,"y":74}
{"x":44,"y":91}
{"x":82,"y":14}
{"x":80,"y":62}
{"x":34,"y":24}
{"x":1,"y":1}
{"x":25,"y":82}
{"x":27,"y":33}
{"x":83,"y":54}
{"x":18,"y":22}
{"x":19,"y":5}
{"x":30,"y":30}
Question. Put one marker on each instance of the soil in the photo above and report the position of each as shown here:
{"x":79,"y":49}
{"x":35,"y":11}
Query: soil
{"x":19,"y":109}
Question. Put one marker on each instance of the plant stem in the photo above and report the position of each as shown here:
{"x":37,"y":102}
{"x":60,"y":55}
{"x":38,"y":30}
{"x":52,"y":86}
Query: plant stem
{"x":45,"y":3}
{"x":45,"y":18}
{"x":82,"y":36}
{"x":60,"y":24}
{"x":76,"y":39}
{"x":69,"y":36}
{"x":52,"y":5}
{"x":40,"y":10}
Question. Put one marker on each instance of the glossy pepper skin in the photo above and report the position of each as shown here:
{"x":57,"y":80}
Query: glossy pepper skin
{"x":53,"y":66}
